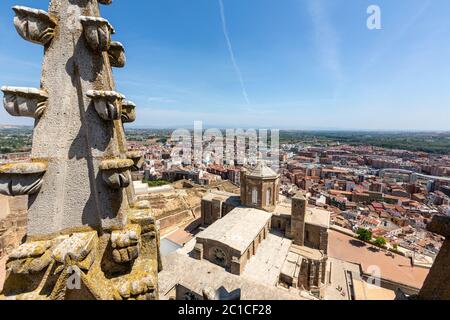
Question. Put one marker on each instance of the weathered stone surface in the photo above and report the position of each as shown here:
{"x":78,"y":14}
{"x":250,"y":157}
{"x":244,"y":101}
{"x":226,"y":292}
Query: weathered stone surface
{"x":133,"y":252}
{"x":115,"y":164}
{"x":144,"y":218}
{"x":77,"y":247}
{"x":437,"y":283}
{"x":34,"y":25}
{"x":39,"y":264}
{"x":85,"y":183}
{"x":116,"y":54}
{"x":108,"y":104}
{"x":24,"y":102}
{"x":97,"y":32}
{"x":24,"y":168}
{"x":13,"y":223}
{"x":116,"y":174}
{"x":440,"y":225}
{"x":32,"y":257}
{"x":71,"y":135}
{"x":32,"y":249}
{"x":128,"y":111}
{"x":144,"y":204}
{"x":137,"y":158}
{"x":141,"y":289}
{"x":18,"y":179}
{"x":126,"y":243}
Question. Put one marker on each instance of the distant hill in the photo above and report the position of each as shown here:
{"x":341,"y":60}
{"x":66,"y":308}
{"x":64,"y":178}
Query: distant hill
{"x":12,"y":126}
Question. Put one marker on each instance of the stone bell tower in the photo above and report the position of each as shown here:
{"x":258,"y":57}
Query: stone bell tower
{"x":298,"y":215}
{"x":84,"y":220}
{"x":260,"y":187}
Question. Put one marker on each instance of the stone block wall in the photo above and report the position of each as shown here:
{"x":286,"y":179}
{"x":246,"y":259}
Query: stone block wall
{"x":298,"y":213}
{"x":312,"y":276}
{"x":316,"y":237}
{"x":175,"y":219}
{"x":13,"y":223}
{"x":215,"y":209}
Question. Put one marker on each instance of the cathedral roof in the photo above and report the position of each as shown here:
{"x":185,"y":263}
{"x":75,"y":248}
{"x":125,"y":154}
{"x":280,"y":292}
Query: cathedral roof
{"x":261,"y":170}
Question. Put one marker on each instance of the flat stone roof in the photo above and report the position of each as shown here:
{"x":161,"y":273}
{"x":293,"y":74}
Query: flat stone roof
{"x":232,"y":198}
{"x":291,"y":266}
{"x":318,"y":217}
{"x":283,"y":209}
{"x":307,"y":252}
{"x":238,"y":228}
{"x":208,"y":275}
{"x":264,"y":267}
{"x":366,"y":291}
{"x":314,"y":216}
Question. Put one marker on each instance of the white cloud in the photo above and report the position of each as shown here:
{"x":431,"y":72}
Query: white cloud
{"x":230,"y":50}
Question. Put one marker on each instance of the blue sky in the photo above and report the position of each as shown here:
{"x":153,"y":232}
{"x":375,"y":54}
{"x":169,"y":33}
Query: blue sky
{"x":288,"y":64}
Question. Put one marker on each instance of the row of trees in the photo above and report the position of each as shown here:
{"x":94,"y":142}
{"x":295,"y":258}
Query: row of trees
{"x":366,"y":235}
{"x":156,"y":183}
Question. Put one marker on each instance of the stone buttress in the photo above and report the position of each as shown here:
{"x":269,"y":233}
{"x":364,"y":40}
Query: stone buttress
{"x":88,"y":237}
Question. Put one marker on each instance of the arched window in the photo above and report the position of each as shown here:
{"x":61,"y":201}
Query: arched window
{"x":268,"y":197}
{"x":219,"y":256}
{"x":254,"y":196}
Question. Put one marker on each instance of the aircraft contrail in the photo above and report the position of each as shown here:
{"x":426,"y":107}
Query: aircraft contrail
{"x":230,"y":50}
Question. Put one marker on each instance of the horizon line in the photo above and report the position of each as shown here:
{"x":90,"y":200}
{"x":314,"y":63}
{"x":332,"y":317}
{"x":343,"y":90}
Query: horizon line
{"x":174,"y":127}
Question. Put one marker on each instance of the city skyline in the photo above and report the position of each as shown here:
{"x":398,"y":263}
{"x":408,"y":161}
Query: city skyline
{"x":306,"y":65}
{"x":328,"y":180}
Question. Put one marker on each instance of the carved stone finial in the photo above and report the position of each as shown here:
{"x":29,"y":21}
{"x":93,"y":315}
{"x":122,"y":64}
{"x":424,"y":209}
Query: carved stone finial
{"x":125,"y":243}
{"x":128,"y":111}
{"x":138,"y":159}
{"x":139,"y":289}
{"x":18,"y":179}
{"x":108,"y":104}
{"x":80,"y":179}
{"x":97,"y":32}
{"x":34,"y":25}
{"x":115,"y":172}
{"x":30,"y":258}
{"x":77,"y":248}
{"x":116,"y":54}
{"x":24,"y":102}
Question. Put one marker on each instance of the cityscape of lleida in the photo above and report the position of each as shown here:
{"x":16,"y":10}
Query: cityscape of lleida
{"x":224,"y":150}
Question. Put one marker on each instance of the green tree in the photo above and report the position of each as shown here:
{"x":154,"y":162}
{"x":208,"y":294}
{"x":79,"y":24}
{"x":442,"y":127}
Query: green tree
{"x":380,"y":242}
{"x":156,"y":183}
{"x":364,"y":234}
